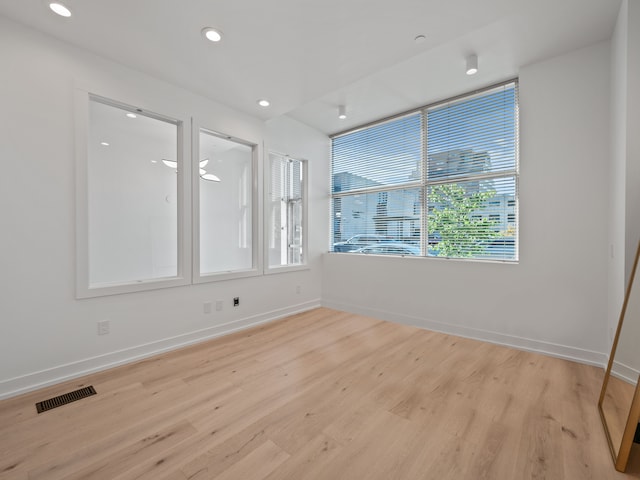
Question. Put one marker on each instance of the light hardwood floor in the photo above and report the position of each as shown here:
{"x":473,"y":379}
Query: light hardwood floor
{"x":319,"y":395}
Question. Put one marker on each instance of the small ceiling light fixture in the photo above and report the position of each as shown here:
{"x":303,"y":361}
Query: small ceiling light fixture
{"x":60,"y":9}
{"x":104,"y":144}
{"x":131,"y":115}
{"x":264,"y":103}
{"x":212,"y":34}
{"x":472,"y":64}
{"x":420,"y":39}
{"x":342,"y":112}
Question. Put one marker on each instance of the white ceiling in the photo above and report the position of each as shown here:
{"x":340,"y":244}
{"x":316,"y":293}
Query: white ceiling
{"x":309,"y":56}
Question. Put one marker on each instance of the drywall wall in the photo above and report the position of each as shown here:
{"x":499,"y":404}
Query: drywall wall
{"x":555,"y":298}
{"x":617,"y":169}
{"x":46,"y":335}
{"x":624,"y":186}
{"x":632,"y":174}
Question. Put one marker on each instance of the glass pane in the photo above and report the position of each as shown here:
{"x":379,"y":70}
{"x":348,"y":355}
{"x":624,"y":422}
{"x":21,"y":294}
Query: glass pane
{"x":473,"y":136}
{"x":380,"y":223}
{"x":226,"y":196}
{"x":385,"y":154}
{"x":132,"y":196}
{"x":286,"y":209}
{"x":474,"y":219}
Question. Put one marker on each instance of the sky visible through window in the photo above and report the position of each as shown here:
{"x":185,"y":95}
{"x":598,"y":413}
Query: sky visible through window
{"x":391,"y":153}
{"x":387,"y":154}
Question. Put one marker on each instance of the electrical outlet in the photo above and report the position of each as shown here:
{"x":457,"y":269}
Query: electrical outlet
{"x":206,"y":307}
{"x":103,"y":327}
{"x":236,"y":301}
{"x":218,"y":305}
{"x":298,"y":289}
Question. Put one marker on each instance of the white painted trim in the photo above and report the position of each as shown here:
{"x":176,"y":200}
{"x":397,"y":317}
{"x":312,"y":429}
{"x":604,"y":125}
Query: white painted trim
{"x":268,"y":167}
{"x":286,"y":268}
{"x":588,"y":357}
{"x":33,"y":381}
{"x":198,"y":126}
{"x":625,"y":372}
{"x":82,"y":99}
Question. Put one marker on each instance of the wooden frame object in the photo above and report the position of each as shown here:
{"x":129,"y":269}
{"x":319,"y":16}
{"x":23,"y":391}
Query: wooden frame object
{"x":619,"y":402}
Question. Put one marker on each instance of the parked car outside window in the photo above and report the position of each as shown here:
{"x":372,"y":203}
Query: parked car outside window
{"x":359,"y":241}
{"x":390,"y":249}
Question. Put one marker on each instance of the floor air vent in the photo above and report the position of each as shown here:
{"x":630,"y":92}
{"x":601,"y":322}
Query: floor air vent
{"x":65,"y":398}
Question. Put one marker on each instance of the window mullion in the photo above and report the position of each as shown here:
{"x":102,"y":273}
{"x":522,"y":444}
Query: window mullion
{"x":424,"y":230}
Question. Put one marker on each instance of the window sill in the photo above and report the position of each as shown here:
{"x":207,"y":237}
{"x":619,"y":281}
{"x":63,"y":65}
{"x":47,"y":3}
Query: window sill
{"x":103,"y":290}
{"x":286,"y":268}
{"x":421,"y":257}
{"x":229,"y":275}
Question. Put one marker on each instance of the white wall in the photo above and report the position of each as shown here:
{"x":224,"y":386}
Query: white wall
{"x":617,"y":183}
{"x":45,"y":333}
{"x":555,"y":299}
{"x":632,"y":190}
{"x":624,"y":200}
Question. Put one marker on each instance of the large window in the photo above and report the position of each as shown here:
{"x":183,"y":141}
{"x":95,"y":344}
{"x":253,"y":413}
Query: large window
{"x":129,"y":205}
{"x":441,"y":181}
{"x":160,"y":201}
{"x":286,"y":211}
{"x":226,"y":236}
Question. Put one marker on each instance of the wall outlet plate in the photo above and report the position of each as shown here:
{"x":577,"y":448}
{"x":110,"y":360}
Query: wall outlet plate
{"x":236,"y":301}
{"x":103,"y":327}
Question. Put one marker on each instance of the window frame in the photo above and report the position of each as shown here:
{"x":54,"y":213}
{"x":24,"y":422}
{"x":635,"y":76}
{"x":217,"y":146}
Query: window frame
{"x":424,"y":183}
{"x":269,"y":269}
{"x":197,"y":126}
{"x":82,"y":99}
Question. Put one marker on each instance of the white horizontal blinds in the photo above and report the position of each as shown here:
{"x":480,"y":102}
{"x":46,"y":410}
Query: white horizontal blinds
{"x":294,"y":211}
{"x":365,"y":219}
{"x":474,"y":218}
{"x":470,"y":183}
{"x":385,"y":154}
{"x":286,"y":211}
{"x":474,"y":135}
{"x":471,"y":175}
{"x":375,"y":163}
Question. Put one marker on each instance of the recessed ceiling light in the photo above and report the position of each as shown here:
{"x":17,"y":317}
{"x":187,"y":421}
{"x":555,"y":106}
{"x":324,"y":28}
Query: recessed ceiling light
{"x":212,"y":34}
{"x":131,"y":115}
{"x":60,"y":9}
{"x":264,"y":103}
{"x":104,"y":144}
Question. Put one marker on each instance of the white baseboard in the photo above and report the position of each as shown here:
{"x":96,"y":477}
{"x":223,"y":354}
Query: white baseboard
{"x":561,"y":351}
{"x":51,"y":376}
{"x":624,"y":372}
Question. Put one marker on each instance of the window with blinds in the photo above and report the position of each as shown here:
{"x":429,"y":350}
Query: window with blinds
{"x":441,"y":181}
{"x":287,"y":205}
